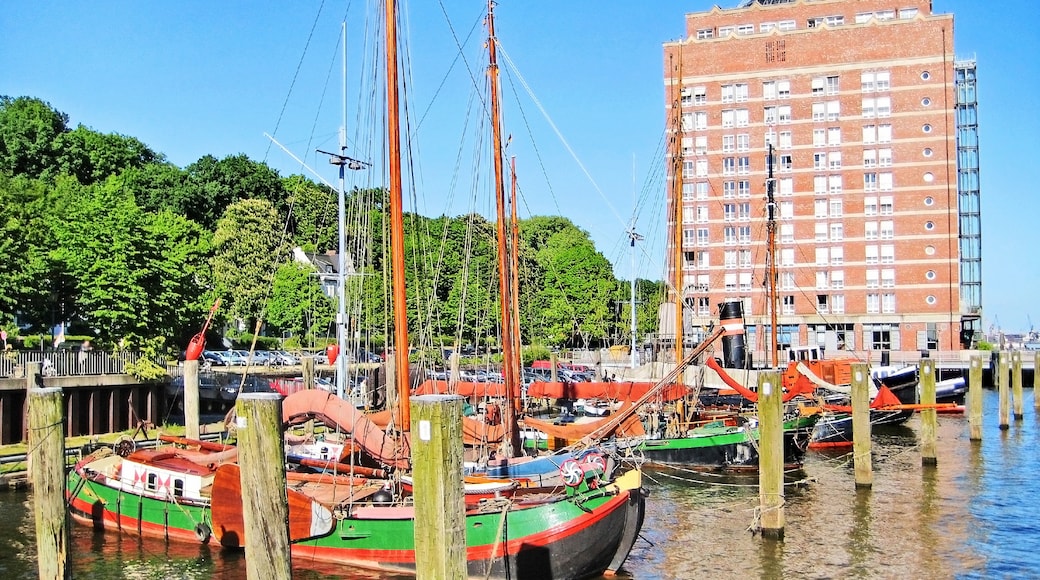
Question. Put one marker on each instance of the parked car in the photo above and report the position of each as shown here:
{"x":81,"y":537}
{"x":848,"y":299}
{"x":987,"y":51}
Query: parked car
{"x":282,"y":357}
{"x":215,"y":358}
{"x":367,"y":357}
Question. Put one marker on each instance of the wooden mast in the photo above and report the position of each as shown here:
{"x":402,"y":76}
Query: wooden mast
{"x":771,"y":294}
{"x":677,"y":206}
{"x":514,"y":269}
{"x":396,"y":220}
{"x":509,"y":366}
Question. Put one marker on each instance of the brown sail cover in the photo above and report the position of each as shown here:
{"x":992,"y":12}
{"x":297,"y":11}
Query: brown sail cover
{"x":309,"y":404}
{"x":631,"y":426}
{"x":614,"y":390}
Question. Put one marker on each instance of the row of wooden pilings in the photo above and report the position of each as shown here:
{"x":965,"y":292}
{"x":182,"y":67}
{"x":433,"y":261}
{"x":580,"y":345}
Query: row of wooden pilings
{"x":440,"y":532}
{"x":770,"y":419}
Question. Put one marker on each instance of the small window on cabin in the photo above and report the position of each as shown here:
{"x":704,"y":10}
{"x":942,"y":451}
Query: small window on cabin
{"x":178,"y":488}
{"x":152,"y":482}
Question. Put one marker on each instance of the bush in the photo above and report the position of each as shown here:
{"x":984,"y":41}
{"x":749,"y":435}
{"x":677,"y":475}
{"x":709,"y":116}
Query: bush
{"x":535,"y":352}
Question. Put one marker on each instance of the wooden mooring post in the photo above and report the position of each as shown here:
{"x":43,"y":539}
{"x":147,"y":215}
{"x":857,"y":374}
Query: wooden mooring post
{"x":1003,"y":391}
{"x":191,"y":399}
{"x":440,"y":519}
{"x":307,"y":370}
{"x":929,"y":416}
{"x":33,"y":374}
{"x":771,"y":455}
{"x":1036,"y":381}
{"x":1016,"y":385}
{"x":46,"y":423}
{"x":975,"y":397}
{"x":861,"y":426}
{"x":265,"y":507}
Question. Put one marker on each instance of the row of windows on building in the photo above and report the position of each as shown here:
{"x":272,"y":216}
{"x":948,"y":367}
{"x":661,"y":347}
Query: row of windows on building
{"x":821,"y":137}
{"x":822,"y":232}
{"x":876,"y":302}
{"x":823,"y":209}
{"x":812,"y":22}
{"x":870,"y":82}
{"x":829,"y":111}
{"x":822,"y":184}
{"x":825,"y":256}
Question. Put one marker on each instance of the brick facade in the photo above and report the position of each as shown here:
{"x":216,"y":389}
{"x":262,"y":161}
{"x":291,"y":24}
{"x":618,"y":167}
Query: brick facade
{"x":857,"y":98}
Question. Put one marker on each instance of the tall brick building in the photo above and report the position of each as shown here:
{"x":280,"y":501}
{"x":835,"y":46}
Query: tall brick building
{"x":878,"y":248}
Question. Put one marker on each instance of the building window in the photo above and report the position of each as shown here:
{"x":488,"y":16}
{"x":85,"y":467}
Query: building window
{"x":786,"y":210}
{"x":821,"y":280}
{"x":929,"y":225}
{"x":869,"y":183}
{"x":729,"y":235}
{"x":882,"y":81}
{"x":687,"y":191}
{"x":700,"y":120}
{"x":838,"y":303}
{"x":869,"y":134}
{"x":704,"y":33}
{"x":729,"y":165}
{"x":929,"y":177}
{"x":837,"y":280}
{"x":730,"y":259}
{"x":926,"y":102}
{"x":689,"y":237}
{"x":783,"y":89}
{"x":888,"y":254}
{"x":740,"y":91}
{"x":870,"y":230}
{"x":702,"y":145}
{"x":786,"y":163}
{"x":729,"y":212}
{"x":700,"y":96}
{"x":820,"y":184}
{"x":925,"y":75}
{"x":888,"y":303}
{"x":743,"y":142}
{"x":770,"y":138}
{"x":885,"y":157}
{"x":834,"y":184}
{"x":837,"y":256}
{"x":887,"y":205}
{"x":687,"y":146}
{"x":784,"y":114}
{"x":729,"y":189}
{"x":787,"y":25}
{"x":686,"y":96}
{"x":769,"y":115}
{"x":743,"y":165}
{"x":743,"y":119}
{"x":820,"y":208}
{"x":818,"y":85}
{"x":686,"y":121}
{"x":788,"y":304}
{"x":926,"y":128}
{"x":744,"y":211}
{"x":702,"y":213}
{"x":871,"y":256}
{"x":819,"y":137}
{"x":884,"y":133}
{"x":831,"y":83}
{"x":745,"y":281}
{"x":744,"y":235}
{"x":786,"y":233}
{"x":702,"y":167}
{"x":884,"y":106}
{"x":872,"y":279}
{"x":874,"y":307}
{"x":787,"y":281}
{"x":869,"y":158}
{"x":868,"y":108}
{"x":833,"y":110}
{"x":702,"y":236}
{"x":885,"y":181}
{"x":887,"y":230}
{"x":834,"y":160}
{"x":687,"y":215}
{"x":766,"y":26}
{"x":837,"y":232}
{"x":834,"y":20}
{"x":821,"y":236}
{"x":729,"y":117}
{"x":888,"y":278}
{"x":819,"y":111}
{"x":836,"y":207}
{"x":930,"y":299}
{"x":746,"y":29}
{"x":702,"y":190}
{"x":729,"y":143}
{"x":834,"y":136}
{"x":744,"y":258}
{"x":727,"y":93}
{"x":786,"y":186}
{"x":883,"y":15}
{"x":687,"y":169}
{"x":870,"y":206}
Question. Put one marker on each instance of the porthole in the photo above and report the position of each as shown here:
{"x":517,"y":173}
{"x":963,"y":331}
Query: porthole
{"x":926,"y":101}
{"x":929,"y":225}
{"x":926,"y":75}
{"x":930,"y":299}
{"x":929,"y":177}
{"x":927,"y":152}
{"x":930,"y":274}
{"x":929,"y":250}
{"x":929,"y":200}
{"x":926,"y":128}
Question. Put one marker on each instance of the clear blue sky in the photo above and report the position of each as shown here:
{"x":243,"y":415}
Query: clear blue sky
{"x":194,"y":77}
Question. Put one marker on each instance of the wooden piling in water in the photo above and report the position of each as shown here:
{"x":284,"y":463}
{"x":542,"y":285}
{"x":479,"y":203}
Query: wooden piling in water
{"x":454,"y":373}
{"x":46,"y":423}
{"x":1036,"y":381}
{"x":191,"y":399}
{"x":553,"y":371}
{"x":975,"y":398}
{"x":929,"y":416}
{"x":33,"y":374}
{"x":1016,"y":385}
{"x":861,"y":426}
{"x":440,"y":525}
{"x":1004,"y":403}
{"x":265,"y":506}
{"x":771,"y":454}
{"x":307,"y":370}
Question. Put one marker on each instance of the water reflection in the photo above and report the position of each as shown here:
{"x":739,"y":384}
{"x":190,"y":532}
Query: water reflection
{"x":971,"y":516}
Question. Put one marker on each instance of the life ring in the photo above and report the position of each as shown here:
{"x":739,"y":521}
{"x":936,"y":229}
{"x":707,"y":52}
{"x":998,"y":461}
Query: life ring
{"x":202,"y":532}
{"x":572,"y":473}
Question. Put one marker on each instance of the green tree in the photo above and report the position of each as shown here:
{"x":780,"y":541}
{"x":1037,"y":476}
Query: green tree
{"x":247,"y":247}
{"x":28,"y":129}
{"x":297,"y":303}
{"x":92,"y":157}
{"x":212,"y":185}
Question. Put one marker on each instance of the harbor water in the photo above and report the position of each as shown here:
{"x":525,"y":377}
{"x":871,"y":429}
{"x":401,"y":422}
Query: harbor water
{"x":971,"y":516}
